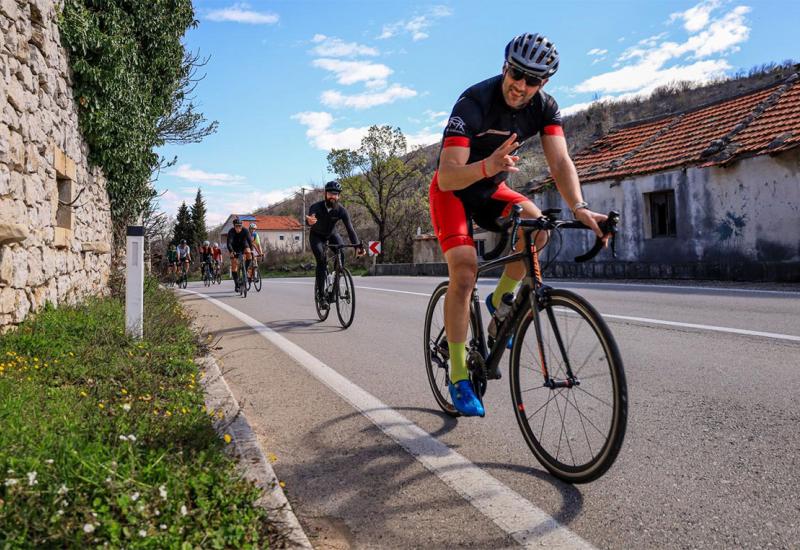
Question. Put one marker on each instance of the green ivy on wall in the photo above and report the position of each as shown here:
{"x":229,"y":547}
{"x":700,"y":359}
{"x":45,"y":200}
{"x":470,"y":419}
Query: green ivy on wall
{"x":126,"y":59}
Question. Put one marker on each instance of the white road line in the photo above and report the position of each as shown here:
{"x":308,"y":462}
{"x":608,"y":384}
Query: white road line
{"x":794,"y":294}
{"x":776,"y":336}
{"x":527,"y":524}
{"x":713,"y":328}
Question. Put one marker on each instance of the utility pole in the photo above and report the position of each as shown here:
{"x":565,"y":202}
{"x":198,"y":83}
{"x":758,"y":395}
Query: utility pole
{"x":303,"y":217}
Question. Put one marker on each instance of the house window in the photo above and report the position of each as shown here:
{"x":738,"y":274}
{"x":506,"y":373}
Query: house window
{"x":280,"y":237}
{"x":662,"y":213}
{"x":64,"y":210}
{"x":297,"y":237}
{"x":480,"y":245}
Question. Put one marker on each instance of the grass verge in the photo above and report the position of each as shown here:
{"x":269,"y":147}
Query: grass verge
{"x":107,"y":440}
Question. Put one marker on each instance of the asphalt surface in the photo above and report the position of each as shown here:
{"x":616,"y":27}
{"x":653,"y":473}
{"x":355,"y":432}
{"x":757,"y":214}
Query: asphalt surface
{"x":710,"y":460}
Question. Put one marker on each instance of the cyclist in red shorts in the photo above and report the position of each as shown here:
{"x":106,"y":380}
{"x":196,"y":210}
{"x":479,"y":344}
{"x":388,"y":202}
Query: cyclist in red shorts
{"x":488,"y":123}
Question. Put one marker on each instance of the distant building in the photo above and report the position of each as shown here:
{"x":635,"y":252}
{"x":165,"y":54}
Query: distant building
{"x":275,"y":232}
{"x":711,"y":192}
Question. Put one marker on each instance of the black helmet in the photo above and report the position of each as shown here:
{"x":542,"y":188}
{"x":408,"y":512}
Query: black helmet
{"x":183,"y":241}
{"x":237,"y":221}
{"x":333,"y":187}
{"x":533,"y":54}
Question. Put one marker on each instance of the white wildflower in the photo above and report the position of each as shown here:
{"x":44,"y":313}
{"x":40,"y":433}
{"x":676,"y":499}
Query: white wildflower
{"x":11,"y":481}
{"x":135,"y":497}
{"x":162,"y":490}
{"x":88,"y":528}
{"x":32,"y":479}
{"x":142,"y":533}
{"x":126,"y":407}
{"x":60,"y":513}
{"x":49,"y":461}
{"x":157,"y":512}
{"x":124,"y":437}
{"x":163,"y":527}
{"x":184,"y":511}
{"x":108,"y":480}
{"x":132,"y":438}
{"x":63,"y":490}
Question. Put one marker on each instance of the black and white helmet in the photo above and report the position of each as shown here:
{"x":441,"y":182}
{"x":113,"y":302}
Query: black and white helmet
{"x":533,"y":54}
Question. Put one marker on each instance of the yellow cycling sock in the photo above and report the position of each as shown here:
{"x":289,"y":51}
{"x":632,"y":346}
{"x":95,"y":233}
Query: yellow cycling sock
{"x":458,"y":361}
{"x":504,"y":285}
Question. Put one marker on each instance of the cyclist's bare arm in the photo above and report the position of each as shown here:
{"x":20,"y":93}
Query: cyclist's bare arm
{"x":566,"y":176}
{"x":455,"y":174}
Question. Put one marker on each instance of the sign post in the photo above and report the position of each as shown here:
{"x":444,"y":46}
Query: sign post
{"x":134,"y":280}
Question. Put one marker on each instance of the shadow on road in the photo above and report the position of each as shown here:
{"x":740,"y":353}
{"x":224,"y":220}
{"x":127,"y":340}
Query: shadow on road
{"x":341,"y":460}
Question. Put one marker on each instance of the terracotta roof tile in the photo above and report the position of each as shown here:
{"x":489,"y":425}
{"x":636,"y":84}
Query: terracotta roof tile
{"x":755,"y":123}
{"x":277,"y":223}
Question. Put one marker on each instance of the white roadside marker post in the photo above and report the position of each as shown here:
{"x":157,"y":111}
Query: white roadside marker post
{"x":134,"y":280}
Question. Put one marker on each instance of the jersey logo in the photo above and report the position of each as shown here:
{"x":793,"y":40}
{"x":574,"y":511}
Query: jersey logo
{"x":456,"y":124}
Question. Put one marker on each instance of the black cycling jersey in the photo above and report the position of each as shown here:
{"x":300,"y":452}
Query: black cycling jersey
{"x":326,"y":220}
{"x":482,"y":121}
{"x":237,"y":242}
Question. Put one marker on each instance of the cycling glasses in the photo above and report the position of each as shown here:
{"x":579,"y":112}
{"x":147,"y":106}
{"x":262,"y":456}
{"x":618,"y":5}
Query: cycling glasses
{"x":530,"y":80}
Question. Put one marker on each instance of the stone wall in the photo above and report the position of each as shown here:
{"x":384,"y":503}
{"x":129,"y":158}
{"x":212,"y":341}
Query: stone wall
{"x":50,"y":250}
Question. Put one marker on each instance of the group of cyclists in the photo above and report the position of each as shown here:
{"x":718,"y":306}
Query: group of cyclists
{"x":488,"y":123}
{"x":180,"y":257}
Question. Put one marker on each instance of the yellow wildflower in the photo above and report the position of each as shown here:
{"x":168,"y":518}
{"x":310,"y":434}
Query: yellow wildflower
{"x":227,"y":438}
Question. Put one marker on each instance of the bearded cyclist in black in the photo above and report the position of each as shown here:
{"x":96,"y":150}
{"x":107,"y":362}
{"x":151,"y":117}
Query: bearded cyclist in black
{"x":322,"y":218}
{"x":488,"y":124}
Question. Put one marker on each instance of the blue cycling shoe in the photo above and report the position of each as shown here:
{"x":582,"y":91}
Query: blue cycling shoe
{"x":464,"y":399}
{"x":491,"y":308}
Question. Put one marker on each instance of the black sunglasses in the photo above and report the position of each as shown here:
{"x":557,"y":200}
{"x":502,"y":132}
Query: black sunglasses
{"x":516,"y":74}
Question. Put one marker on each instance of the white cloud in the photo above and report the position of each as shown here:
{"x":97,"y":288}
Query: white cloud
{"x":186,"y":172}
{"x":697,"y":17}
{"x":330,"y":46}
{"x":416,"y":26}
{"x":654,"y":61}
{"x":351,"y":72}
{"x":596,"y":51}
{"x":332,"y":98}
{"x":246,"y":203}
{"x":321,"y":135}
{"x":240,"y":13}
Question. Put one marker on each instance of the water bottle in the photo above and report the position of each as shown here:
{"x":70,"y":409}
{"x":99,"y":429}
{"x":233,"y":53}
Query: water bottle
{"x":502,"y":311}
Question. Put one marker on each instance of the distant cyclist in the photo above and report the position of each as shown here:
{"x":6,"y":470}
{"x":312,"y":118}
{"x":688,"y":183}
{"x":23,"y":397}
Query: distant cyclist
{"x":172,"y":260}
{"x":256,"y":246}
{"x":239,"y":242}
{"x":205,"y":256}
{"x":322,"y":218}
{"x":184,"y":255}
{"x":216,"y":257}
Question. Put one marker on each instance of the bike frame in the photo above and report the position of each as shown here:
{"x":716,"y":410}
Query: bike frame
{"x":530,"y":296}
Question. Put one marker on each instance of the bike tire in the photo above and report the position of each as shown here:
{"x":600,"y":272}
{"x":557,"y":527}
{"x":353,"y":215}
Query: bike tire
{"x":256,"y":279}
{"x":435,"y":350}
{"x":322,"y":313}
{"x":345,"y":301}
{"x":593,"y":439}
{"x":243,"y":284}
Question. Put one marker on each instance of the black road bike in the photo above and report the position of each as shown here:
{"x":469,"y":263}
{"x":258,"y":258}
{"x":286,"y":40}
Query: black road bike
{"x":339,"y":287}
{"x":240,"y":277}
{"x":208,"y":276}
{"x":255,"y":280}
{"x":183,"y":279}
{"x":567,"y":379}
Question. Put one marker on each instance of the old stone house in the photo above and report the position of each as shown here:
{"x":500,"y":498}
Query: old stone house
{"x":713,"y":192}
{"x":55,"y":220}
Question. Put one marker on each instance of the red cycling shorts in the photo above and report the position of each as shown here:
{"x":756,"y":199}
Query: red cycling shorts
{"x":452,"y":216}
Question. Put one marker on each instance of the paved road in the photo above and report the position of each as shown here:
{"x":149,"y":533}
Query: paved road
{"x":711,"y":454}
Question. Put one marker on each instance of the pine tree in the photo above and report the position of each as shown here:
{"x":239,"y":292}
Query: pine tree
{"x":184,"y":228}
{"x":199,"y":218}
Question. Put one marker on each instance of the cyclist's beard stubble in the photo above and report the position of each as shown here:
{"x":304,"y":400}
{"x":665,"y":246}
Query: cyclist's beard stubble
{"x":331,"y":203}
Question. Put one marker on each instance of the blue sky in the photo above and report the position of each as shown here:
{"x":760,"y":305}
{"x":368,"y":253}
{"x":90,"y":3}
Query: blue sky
{"x":288,"y":80}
